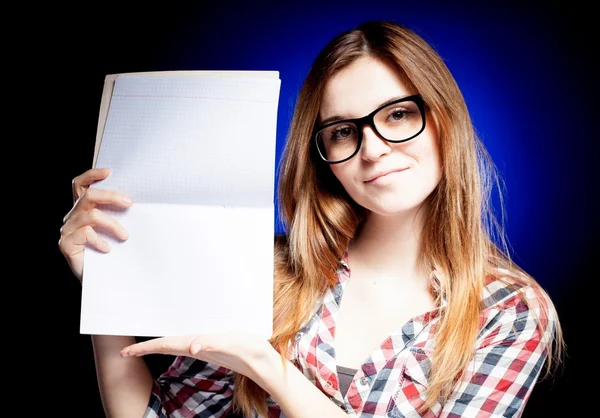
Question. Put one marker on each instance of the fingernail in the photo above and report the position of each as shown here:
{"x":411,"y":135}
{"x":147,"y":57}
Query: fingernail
{"x":127,"y":200}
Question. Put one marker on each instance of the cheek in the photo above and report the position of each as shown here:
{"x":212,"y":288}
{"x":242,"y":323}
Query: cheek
{"x":431,"y":155}
{"x":432,"y":167}
{"x":348,"y":180}
{"x":342,"y":173}
{"x":426,"y":151}
{"x":436,"y":159}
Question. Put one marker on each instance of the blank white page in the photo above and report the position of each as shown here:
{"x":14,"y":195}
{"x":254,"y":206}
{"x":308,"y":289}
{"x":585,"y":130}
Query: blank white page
{"x":197,"y":155}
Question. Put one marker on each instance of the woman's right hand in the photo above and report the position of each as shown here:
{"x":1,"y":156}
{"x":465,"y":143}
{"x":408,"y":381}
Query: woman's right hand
{"x":79,"y":224}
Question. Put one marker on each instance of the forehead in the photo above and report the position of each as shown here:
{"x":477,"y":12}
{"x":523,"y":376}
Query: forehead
{"x":360,"y":88}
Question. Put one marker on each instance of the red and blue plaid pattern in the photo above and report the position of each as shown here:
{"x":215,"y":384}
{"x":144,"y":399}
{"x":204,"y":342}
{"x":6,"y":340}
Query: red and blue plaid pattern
{"x":392,"y":382}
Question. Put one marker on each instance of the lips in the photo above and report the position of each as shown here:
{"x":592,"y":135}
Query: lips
{"x":384,"y":173}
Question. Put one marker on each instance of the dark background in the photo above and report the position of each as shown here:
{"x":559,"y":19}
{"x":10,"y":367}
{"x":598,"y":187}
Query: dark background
{"x":526,"y":70}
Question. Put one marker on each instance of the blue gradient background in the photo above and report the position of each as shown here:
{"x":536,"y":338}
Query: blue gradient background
{"x":525,"y":72}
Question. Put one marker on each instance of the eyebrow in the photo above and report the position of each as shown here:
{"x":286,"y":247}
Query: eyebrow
{"x":338,"y":118}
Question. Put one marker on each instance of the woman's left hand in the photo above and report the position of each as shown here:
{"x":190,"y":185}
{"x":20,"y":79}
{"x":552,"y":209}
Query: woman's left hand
{"x":249,"y":355}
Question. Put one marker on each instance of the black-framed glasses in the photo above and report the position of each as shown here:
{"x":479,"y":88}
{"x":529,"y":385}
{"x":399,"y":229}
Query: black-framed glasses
{"x":397,"y":121}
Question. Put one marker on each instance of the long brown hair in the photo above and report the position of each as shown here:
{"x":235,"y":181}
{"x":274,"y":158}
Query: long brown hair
{"x":462,"y":238}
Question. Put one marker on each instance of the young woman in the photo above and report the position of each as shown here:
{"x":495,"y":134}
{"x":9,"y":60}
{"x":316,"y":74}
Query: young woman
{"x":391,"y":297}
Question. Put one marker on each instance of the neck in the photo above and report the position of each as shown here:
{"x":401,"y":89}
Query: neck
{"x":390,"y":246}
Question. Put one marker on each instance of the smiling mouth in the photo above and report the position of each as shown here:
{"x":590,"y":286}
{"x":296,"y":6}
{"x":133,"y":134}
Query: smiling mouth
{"x":385,"y":174}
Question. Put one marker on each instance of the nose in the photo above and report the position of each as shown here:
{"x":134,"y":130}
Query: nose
{"x":373,"y":146}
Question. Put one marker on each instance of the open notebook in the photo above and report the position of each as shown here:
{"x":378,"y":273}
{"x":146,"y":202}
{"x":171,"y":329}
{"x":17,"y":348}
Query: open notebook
{"x":196,"y":152}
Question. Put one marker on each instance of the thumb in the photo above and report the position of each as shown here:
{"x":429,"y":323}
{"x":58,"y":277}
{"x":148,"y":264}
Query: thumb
{"x":195,"y":346}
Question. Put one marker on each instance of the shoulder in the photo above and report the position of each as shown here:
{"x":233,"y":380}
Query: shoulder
{"x":516,"y":307}
{"x":503,"y":290}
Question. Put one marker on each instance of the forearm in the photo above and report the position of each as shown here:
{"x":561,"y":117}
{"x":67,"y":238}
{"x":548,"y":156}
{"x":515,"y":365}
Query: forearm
{"x":295,"y":394}
{"x":124,"y":383}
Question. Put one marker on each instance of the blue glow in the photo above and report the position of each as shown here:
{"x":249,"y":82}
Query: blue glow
{"x":514,"y":68}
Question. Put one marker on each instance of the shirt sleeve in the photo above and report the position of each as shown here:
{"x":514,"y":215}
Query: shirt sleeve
{"x":512,"y":349}
{"x":193,"y":389}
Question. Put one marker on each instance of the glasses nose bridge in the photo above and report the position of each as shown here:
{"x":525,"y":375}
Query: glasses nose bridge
{"x":369,"y":121}
{"x":374,"y":149}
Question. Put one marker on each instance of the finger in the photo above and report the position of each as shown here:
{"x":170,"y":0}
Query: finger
{"x":83,"y":181}
{"x":176,"y":346}
{"x":95,"y":197}
{"x":94,"y":218}
{"x":196,"y":346}
{"x":74,"y":243}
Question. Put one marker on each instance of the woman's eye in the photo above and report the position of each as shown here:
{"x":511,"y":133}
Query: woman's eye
{"x":398,"y":114}
{"x":342,"y":132}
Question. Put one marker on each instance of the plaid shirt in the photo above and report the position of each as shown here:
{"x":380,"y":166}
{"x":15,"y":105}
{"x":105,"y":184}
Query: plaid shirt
{"x":392,"y":382}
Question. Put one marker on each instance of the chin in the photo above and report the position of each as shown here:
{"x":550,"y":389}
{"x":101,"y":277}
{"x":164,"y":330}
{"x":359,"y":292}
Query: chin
{"x":393,"y":203}
{"x":393,"y":209}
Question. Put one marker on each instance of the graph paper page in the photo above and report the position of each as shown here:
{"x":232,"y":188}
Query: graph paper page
{"x":197,"y":155}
